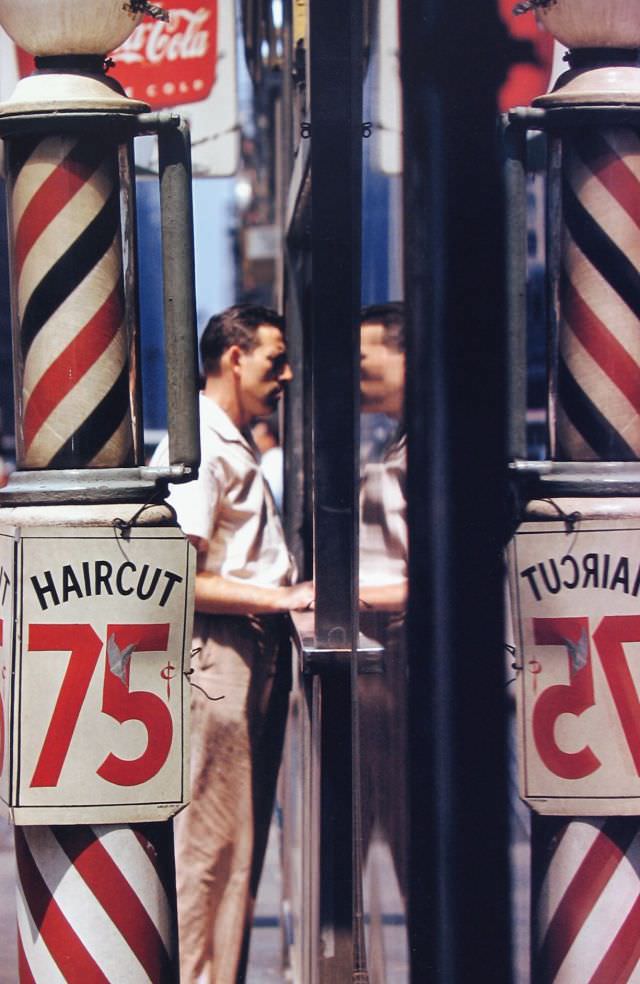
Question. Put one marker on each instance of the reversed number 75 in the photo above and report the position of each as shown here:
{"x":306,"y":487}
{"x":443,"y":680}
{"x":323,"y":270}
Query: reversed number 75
{"x":573,"y":633}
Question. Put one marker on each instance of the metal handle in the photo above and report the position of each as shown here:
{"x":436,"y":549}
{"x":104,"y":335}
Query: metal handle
{"x":176,"y":215}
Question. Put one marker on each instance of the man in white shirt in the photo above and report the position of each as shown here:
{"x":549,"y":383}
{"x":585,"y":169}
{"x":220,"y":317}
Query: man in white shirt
{"x":242,"y":661}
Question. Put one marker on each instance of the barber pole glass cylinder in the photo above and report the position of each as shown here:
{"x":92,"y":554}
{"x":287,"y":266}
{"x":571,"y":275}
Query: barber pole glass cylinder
{"x":596,"y":294}
{"x":72,"y":345}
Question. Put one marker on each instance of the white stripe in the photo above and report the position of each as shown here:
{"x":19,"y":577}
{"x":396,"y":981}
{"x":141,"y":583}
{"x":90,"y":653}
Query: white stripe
{"x":42,"y":965}
{"x":61,"y":233}
{"x":74,"y":312}
{"x":605,"y":209}
{"x":626,"y":144}
{"x":130,"y":857}
{"x":82,"y":910}
{"x":575,"y":447}
{"x":604,"y":921}
{"x":117,"y":448}
{"x":76,"y":406}
{"x":601,"y":390}
{"x":578,"y":838}
{"x":604,"y":301}
{"x":47,"y":156}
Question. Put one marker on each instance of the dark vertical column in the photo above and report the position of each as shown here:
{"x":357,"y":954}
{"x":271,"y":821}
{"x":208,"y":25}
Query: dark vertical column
{"x":453,"y":59}
{"x":336,"y":164}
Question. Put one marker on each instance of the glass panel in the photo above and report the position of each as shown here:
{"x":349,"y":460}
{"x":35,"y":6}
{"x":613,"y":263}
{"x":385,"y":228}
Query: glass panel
{"x":381,"y":707}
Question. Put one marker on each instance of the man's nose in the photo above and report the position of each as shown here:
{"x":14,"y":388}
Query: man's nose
{"x":285,"y":375}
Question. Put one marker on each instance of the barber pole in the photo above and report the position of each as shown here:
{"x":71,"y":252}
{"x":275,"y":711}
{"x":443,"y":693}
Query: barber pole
{"x":96,"y":580}
{"x":598,"y":387}
{"x":588,"y":918}
{"x":571,"y":559}
{"x":94,"y":904}
{"x":65,"y":218}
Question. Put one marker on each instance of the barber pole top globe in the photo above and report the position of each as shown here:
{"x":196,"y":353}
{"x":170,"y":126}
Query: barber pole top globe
{"x":84,"y":29}
{"x":603,"y":37}
{"x":592,"y":23}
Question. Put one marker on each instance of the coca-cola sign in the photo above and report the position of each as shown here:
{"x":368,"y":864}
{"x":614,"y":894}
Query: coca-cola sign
{"x":168,"y":63}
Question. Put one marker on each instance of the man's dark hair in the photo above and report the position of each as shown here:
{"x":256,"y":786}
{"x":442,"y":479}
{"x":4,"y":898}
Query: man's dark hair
{"x":237,"y":325}
{"x":391,"y":316}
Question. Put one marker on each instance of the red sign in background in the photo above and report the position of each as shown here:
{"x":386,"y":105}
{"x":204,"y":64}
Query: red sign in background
{"x":166,"y":63}
{"x":525,"y":82}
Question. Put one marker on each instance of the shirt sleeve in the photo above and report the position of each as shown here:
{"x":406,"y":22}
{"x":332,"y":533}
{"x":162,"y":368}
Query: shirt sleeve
{"x":196,"y":503}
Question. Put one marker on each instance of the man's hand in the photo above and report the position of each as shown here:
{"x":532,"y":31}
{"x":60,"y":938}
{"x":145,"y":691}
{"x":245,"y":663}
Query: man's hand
{"x":299,"y":597}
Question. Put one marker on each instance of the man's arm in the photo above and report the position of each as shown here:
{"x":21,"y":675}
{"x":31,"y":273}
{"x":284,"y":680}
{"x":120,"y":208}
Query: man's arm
{"x":218,"y":595}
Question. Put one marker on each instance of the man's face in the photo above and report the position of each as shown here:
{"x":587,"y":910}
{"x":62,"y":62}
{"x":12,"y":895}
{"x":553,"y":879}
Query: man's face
{"x":263,"y":372}
{"x":381,"y":372}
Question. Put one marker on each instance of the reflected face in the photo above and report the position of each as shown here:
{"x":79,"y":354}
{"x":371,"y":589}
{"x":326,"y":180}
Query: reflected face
{"x":263,"y":372}
{"x":382,"y":372}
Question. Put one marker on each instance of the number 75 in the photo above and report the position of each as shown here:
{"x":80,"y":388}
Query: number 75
{"x":84,"y":646}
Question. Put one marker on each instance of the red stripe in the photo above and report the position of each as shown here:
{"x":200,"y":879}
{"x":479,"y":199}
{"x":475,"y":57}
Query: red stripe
{"x":582,"y":893}
{"x":623,"y":954}
{"x":52,"y":195}
{"x":604,"y":348}
{"x":67,"y":950}
{"x":117,"y":897}
{"x":24,"y":970}
{"x":72,"y":364}
{"x":621,"y":182}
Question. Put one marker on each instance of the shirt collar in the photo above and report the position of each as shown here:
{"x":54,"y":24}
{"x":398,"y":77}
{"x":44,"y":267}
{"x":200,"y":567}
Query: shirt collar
{"x":214,"y":417}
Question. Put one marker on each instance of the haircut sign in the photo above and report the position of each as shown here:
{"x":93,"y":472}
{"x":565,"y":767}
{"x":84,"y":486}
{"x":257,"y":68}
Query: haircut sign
{"x":576,"y":597}
{"x":94,"y":634}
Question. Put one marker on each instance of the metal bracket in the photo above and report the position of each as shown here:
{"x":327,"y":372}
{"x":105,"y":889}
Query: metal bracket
{"x":316,"y":658}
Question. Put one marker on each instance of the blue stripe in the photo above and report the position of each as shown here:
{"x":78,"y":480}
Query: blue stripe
{"x":589,"y":421}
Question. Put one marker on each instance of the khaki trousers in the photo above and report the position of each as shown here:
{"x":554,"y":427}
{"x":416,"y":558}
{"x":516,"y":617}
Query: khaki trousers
{"x":236,"y":746}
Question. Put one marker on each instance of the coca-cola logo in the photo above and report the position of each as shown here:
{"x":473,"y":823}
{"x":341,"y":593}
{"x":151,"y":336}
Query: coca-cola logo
{"x":166,"y":63}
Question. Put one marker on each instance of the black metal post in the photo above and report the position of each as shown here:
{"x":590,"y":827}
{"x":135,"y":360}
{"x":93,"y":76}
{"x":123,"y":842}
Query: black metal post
{"x":454,"y":55}
{"x":336,"y":179}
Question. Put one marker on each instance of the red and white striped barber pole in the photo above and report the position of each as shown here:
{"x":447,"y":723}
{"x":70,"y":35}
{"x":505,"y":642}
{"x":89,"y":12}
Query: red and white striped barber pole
{"x":575,"y":564}
{"x":67,"y":254}
{"x":96,"y":597}
{"x":598,"y":386}
{"x":94,"y":903}
{"x":588,"y":916}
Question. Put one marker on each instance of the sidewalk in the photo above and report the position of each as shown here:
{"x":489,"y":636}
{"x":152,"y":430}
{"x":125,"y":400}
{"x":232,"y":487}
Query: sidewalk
{"x":264,"y":965}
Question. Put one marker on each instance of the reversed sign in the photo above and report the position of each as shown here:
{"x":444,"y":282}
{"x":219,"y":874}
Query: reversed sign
{"x":97,"y":723}
{"x":7,"y":593}
{"x":576,"y":599}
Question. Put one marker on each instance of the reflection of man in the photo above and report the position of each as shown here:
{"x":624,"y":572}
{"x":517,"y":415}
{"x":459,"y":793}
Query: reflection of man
{"x":383,"y":595}
{"x":240,"y":634}
{"x":383,"y":506}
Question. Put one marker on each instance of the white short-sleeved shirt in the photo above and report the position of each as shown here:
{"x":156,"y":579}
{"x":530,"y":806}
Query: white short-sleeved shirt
{"x":230,"y":505}
{"x":383,"y":519}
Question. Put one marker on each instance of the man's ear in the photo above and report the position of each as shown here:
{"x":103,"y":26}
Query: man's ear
{"x":232,"y":357}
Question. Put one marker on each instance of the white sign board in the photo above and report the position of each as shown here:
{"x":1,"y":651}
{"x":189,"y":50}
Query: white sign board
{"x":7,"y":594}
{"x":576,"y":602}
{"x":97,"y":716}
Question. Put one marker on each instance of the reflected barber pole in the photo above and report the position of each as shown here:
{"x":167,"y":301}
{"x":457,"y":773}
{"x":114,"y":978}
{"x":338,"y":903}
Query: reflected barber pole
{"x":589,"y":904}
{"x":67,"y":256}
{"x":599,"y":338}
